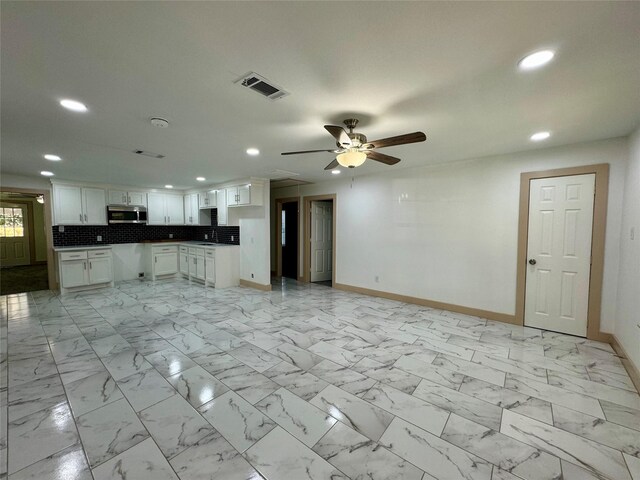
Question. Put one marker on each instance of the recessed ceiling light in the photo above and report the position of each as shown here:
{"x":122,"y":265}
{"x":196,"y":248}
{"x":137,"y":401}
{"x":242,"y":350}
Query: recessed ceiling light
{"x":335,"y":172}
{"x":253,"y":151}
{"x":536,"y":137}
{"x":74,"y":105}
{"x":53,"y":158}
{"x":46,"y":174}
{"x":168,"y":186}
{"x":200,"y":179}
{"x":536,"y":59}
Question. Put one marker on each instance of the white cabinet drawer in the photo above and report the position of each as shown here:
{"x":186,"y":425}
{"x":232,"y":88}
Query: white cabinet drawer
{"x":172,"y":248}
{"x":99,"y":253}
{"x":210,"y":253}
{"x":77,"y":255}
{"x":196,"y":251}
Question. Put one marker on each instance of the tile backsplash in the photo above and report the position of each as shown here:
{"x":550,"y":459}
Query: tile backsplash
{"x":134,"y":233}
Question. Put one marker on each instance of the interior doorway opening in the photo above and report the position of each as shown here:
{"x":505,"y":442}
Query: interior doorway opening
{"x":320,"y":239}
{"x":287,"y":237}
{"x":25,"y":233}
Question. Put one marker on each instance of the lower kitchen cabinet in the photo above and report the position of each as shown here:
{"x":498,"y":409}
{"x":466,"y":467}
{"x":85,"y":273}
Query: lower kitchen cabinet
{"x":84,"y":268}
{"x":161,"y":260}
{"x":215,"y":266}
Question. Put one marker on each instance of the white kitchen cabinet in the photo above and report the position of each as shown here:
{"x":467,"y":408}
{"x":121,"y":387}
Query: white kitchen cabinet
{"x":122,"y":197}
{"x":245,"y":195}
{"x":156,"y":214}
{"x":196,"y":263}
{"x":165,"y":209}
{"x":161,"y":260}
{"x":165,"y":263}
{"x":67,"y":205}
{"x":84,"y":268}
{"x":221,"y":206}
{"x":184,"y":261}
{"x":76,"y":205}
{"x":100,"y":270}
{"x":208,"y":199}
{"x":192,"y":209}
{"x":175,"y":209}
{"x":210,"y":266}
{"x":73,"y":273}
{"x":94,"y":205}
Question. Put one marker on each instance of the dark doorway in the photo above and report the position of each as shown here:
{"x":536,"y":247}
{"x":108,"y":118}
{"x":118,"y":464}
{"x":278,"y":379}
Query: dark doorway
{"x":289,"y":239}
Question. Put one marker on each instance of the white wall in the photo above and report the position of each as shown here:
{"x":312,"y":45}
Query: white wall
{"x":255,"y":240}
{"x":128,"y":261}
{"x":627,"y":328}
{"x":448,"y":233}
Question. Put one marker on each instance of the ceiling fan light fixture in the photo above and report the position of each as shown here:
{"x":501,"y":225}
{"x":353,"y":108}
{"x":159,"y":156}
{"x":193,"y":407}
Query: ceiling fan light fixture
{"x":351,"y":158}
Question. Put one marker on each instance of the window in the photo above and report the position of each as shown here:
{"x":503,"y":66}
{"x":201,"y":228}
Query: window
{"x":283,"y":233}
{"x":11,"y":222}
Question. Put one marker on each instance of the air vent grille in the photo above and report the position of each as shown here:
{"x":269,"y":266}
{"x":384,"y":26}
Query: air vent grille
{"x":261,"y":85}
{"x":148,"y":154}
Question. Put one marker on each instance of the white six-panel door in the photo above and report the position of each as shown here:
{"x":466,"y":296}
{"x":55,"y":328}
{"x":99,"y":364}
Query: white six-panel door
{"x":559,"y":253}
{"x":321,"y":241}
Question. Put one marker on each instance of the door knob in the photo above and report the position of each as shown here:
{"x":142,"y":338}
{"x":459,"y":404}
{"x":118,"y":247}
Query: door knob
{"x":532,"y":261}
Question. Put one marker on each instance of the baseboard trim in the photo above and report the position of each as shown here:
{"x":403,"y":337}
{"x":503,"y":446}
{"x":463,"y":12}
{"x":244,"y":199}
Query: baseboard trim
{"x":257,"y":286}
{"x":632,"y":370}
{"x":476,"y":312}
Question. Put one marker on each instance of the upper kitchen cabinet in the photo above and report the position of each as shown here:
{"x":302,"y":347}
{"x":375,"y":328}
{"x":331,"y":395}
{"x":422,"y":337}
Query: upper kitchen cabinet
{"x":134,"y":199}
{"x":76,"y":205}
{"x":249,"y":194}
{"x":221,"y":206}
{"x":193,"y":213}
{"x":165,"y":209}
{"x":208,"y":199}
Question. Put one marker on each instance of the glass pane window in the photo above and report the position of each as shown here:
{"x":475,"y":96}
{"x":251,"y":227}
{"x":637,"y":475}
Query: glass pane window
{"x":11,"y":222}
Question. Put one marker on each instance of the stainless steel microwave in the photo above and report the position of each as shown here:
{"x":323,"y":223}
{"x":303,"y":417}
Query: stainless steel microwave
{"x":117,"y":214}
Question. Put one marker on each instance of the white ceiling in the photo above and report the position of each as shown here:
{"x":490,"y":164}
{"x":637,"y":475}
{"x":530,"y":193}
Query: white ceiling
{"x":448,"y":69}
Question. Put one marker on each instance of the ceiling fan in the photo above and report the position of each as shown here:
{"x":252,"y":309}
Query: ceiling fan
{"x":353,"y":148}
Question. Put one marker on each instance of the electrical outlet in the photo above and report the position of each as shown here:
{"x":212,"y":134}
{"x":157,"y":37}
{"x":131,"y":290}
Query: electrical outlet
{"x":252,"y":275}
{"x":206,"y":237}
{"x":171,"y":235}
{"x":99,"y":238}
{"x":232,"y":238}
{"x":141,"y":275}
{"x":61,"y":228}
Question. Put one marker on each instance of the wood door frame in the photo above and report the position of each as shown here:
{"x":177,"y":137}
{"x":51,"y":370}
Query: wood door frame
{"x":31,"y":239}
{"x":601,"y":172}
{"x":306,"y":274}
{"x":279,"y":202}
{"x":51,"y":271}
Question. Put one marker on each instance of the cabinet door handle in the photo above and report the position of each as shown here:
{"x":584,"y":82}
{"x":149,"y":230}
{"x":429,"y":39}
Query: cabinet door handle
{"x":80,"y":217}
{"x":169,"y":219}
{"x":90,"y":266}
{"x":165,"y":219}
{"x":155,"y":259}
{"x":123,"y":199}
{"x":128,"y":199}
{"x":85,"y":218}
{"x":84,"y":264}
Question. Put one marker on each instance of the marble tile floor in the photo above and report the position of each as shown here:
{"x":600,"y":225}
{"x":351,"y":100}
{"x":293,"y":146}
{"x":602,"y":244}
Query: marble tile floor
{"x":169,"y":380}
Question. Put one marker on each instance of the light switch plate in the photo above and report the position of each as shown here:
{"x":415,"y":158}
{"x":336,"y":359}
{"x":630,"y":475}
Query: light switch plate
{"x":99,"y":238}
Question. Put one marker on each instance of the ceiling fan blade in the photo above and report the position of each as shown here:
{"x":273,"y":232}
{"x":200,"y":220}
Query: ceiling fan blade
{"x":339,"y":134}
{"x":381,"y":157}
{"x":307,"y":151}
{"x":332,"y":165}
{"x":399,"y":140}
